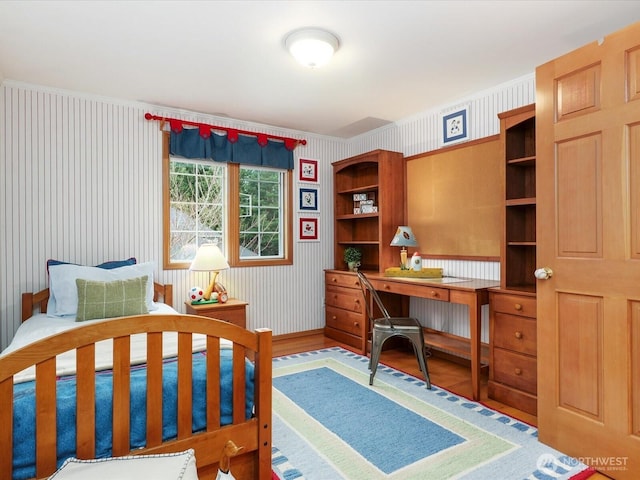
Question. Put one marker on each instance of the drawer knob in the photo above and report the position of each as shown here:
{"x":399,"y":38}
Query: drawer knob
{"x":386,"y":287}
{"x":434,"y":293}
{"x":517,"y":371}
{"x":334,"y":317}
{"x":518,"y":335}
{"x":334,"y":279}
{"x":518,"y":307}
{"x":356,"y":324}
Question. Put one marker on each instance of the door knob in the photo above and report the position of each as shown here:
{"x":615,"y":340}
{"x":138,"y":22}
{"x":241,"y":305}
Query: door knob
{"x":543,"y":273}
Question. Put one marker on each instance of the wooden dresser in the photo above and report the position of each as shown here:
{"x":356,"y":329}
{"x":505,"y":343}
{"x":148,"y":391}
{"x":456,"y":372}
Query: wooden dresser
{"x":345,"y":311}
{"x":513,"y":373}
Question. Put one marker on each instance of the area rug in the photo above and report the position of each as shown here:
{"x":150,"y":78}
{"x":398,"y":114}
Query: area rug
{"x":329,"y":424}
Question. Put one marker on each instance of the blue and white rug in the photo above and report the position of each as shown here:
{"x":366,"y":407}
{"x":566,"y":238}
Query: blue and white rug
{"x":329,"y":424}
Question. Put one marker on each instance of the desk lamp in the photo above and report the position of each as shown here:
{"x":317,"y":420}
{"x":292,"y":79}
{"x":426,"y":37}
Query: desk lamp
{"x":404,"y":238}
{"x":209,"y":258}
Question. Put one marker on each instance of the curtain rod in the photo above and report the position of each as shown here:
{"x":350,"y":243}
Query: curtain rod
{"x":232,"y":133}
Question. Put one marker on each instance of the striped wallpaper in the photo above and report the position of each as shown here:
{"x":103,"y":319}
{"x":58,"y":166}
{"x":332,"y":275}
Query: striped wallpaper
{"x":81,"y":181}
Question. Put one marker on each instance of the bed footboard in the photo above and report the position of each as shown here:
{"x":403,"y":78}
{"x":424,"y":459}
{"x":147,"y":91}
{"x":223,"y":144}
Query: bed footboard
{"x":253,"y":434}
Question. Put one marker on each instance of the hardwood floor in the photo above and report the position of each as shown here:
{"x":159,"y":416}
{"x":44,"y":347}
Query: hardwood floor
{"x":444,"y":373}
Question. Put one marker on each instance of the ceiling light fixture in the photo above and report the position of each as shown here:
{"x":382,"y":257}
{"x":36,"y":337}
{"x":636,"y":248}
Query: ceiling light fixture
{"x":312,"y":47}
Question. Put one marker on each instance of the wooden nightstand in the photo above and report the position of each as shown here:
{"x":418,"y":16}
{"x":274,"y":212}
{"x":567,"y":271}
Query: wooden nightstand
{"x":234,"y":311}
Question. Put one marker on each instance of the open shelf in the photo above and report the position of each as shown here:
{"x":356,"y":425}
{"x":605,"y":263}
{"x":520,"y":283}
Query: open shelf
{"x":448,"y":342}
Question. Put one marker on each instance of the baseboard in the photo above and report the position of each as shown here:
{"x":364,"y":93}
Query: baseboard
{"x":305,"y":333}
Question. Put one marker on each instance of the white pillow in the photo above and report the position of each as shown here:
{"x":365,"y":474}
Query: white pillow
{"x":62,"y":283}
{"x":167,"y":466}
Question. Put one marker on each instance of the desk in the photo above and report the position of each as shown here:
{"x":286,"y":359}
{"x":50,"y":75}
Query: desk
{"x":471,"y":292}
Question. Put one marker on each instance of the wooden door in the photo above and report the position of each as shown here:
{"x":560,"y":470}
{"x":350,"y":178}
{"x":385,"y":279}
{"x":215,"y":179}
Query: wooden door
{"x":588,"y":225}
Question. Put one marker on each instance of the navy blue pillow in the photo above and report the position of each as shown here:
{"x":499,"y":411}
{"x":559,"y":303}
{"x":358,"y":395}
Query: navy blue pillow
{"x":106,"y":265}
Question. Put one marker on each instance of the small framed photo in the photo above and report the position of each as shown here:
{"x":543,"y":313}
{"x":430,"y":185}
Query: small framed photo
{"x":367,"y":208}
{"x":309,"y":199}
{"x":455,"y":126}
{"x":308,"y":229}
{"x":308,"y":170}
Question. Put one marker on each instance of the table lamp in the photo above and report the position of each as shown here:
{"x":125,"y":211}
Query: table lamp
{"x":209,"y":258}
{"x":404,"y":238}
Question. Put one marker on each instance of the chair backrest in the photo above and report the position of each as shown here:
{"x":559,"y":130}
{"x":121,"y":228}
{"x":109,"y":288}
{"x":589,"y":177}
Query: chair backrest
{"x":365,"y":286}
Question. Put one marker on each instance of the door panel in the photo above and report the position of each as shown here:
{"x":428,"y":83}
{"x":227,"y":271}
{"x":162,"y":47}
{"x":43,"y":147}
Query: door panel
{"x":634,"y":187}
{"x":579,"y":191}
{"x":588,"y":233}
{"x":634,"y":311}
{"x":579,"y":92}
{"x":580,"y":386}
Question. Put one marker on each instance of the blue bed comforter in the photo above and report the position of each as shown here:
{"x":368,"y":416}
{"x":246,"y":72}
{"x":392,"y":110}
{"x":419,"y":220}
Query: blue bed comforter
{"x":24,"y":409}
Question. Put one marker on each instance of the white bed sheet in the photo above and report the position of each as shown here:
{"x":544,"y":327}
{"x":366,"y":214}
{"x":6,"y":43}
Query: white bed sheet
{"x":42,"y":326}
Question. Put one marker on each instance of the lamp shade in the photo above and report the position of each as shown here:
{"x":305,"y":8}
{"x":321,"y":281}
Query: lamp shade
{"x":209,"y":258}
{"x":404,"y":237}
{"x":312,"y":47}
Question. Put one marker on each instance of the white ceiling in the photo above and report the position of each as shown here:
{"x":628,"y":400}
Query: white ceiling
{"x":227,"y":58}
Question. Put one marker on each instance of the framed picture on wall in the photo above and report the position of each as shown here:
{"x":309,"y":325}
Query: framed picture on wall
{"x":309,"y":199}
{"x":308,"y":229}
{"x":455,"y":126}
{"x":308,"y":170}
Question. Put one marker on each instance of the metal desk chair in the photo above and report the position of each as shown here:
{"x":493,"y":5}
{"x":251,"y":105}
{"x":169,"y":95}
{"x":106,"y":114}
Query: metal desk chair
{"x":387,"y":327}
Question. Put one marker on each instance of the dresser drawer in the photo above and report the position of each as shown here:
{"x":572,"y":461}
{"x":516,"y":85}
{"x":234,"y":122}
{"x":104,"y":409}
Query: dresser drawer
{"x":514,"y":304}
{"x":345,"y":298}
{"x":433,"y":293}
{"x":348,"y":280}
{"x":515,"y":333}
{"x":344,"y":320}
{"x":516,"y":370}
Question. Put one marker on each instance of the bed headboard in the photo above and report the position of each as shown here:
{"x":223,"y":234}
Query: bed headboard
{"x":37,"y":302}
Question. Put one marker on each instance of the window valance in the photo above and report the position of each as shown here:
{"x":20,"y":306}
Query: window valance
{"x":238,"y":146}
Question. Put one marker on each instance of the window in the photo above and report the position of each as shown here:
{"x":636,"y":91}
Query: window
{"x":196,"y":212}
{"x":246,"y":210}
{"x":261,"y":213}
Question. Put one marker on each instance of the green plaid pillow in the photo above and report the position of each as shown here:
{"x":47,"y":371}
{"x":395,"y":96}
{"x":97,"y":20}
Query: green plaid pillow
{"x":118,"y":298}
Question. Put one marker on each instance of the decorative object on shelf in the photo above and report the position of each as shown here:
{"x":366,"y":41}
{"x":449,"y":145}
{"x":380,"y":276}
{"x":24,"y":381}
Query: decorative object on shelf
{"x":416,"y":262}
{"x":308,"y":229}
{"x":223,"y":297}
{"x":364,"y":203}
{"x":209,"y":258}
{"x":352,"y":257}
{"x":455,"y":126}
{"x":404,"y":238}
{"x":196,"y":294}
{"x":312,"y":47}
{"x":309,"y":199}
{"x":308,"y":170}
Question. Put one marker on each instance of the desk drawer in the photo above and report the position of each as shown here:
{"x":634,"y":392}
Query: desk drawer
{"x":514,"y":304}
{"x":344,"y":320}
{"x":348,"y":280}
{"x":345,"y":298}
{"x":424,"y":291}
{"x":518,"y":371}
{"x":515,"y":333}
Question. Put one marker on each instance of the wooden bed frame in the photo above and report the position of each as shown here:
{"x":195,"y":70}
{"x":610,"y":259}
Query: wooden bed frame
{"x":253,"y":435}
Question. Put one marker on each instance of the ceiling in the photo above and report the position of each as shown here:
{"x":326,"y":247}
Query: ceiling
{"x":227,"y":58}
